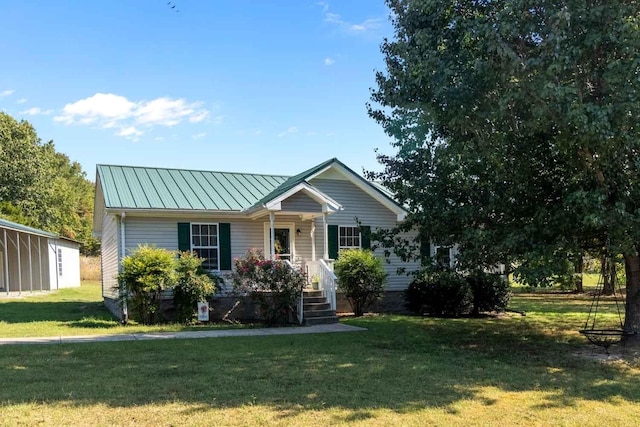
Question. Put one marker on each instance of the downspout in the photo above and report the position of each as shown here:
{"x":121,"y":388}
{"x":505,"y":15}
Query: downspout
{"x":123,"y":253}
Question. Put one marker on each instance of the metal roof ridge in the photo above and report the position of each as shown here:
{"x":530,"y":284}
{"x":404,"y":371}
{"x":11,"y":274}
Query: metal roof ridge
{"x":193,"y":170}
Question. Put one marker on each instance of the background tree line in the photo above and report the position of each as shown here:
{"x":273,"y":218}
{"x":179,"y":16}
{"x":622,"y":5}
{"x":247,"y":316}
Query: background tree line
{"x":42,"y":188}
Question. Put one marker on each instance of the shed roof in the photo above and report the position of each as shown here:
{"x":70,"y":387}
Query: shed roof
{"x":23,"y":228}
{"x":132,"y":187}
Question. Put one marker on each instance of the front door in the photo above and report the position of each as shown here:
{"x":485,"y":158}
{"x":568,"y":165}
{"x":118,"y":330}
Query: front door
{"x":283,"y":243}
{"x":284,"y":240}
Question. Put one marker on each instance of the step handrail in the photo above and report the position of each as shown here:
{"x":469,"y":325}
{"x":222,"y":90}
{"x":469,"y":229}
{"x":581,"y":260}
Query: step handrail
{"x":328,"y":283}
{"x":299,"y":299}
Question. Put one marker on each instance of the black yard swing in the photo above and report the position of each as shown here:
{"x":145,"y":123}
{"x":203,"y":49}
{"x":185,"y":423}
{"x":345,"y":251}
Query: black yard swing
{"x":608,"y":335}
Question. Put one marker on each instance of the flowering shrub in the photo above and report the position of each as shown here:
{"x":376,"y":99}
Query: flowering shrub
{"x":273,"y":285}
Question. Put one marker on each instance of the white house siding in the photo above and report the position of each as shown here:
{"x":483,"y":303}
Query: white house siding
{"x":245,"y":233}
{"x":109,"y":256}
{"x":66,"y":275}
{"x":369,"y":212}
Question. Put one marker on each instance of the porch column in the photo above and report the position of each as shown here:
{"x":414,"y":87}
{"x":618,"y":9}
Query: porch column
{"x":30,"y":266}
{"x":272,"y":231}
{"x":326,"y":235}
{"x":313,"y":239}
{"x":6,"y":262}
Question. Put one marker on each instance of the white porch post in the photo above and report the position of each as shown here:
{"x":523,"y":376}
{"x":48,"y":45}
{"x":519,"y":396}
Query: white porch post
{"x":6,"y":262}
{"x":313,"y":239}
{"x":272,"y":232}
{"x":326,"y":235}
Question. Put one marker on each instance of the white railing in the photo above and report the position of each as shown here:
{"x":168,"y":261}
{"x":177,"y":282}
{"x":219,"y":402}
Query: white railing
{"x":300,"y":299}
{"x":313,"y":271}
{"x":328,"y":282}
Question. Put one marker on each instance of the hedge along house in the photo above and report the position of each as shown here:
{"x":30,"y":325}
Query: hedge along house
{"x":305,"y":218}
{"x":36,"y":260}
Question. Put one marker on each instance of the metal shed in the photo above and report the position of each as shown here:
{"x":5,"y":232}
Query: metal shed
{"x":36,"y":260}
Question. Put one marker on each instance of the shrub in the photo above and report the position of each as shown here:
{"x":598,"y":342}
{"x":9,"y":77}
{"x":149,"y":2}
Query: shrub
{"x":146,"y":273}
{"x":361,"y":277}
{"x":491,"y":292}
{"x":439,"y":293}
{"x":193,"y":285}
{"x":273,"y":285}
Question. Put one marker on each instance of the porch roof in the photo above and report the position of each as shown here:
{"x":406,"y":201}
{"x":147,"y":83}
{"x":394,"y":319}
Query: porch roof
{"x":23,"y":228}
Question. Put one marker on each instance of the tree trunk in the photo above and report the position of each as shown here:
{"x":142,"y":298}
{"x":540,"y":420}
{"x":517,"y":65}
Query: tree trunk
{"x":608,"y":276}
{"x":578,"y":274}
{"x":632,"y":309}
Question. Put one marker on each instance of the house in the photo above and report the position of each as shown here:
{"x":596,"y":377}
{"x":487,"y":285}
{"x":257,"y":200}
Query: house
{"x":306,"y":218}
{"x":36,"y":260}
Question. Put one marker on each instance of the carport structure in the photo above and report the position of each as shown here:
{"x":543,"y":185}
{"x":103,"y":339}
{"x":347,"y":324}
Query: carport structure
{"x":25,"y":255}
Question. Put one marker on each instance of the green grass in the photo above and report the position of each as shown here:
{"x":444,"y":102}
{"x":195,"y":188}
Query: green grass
{"x":507,"y":370}
{"x":72,"y":311}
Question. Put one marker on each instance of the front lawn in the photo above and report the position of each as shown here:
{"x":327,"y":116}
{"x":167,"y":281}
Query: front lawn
{"x":509,"y":370}
{"x":72,"y":311}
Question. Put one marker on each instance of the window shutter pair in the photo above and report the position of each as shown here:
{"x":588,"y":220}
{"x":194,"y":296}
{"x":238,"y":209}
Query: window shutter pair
{"x":332,"y":234}
{"x":224,"y":235}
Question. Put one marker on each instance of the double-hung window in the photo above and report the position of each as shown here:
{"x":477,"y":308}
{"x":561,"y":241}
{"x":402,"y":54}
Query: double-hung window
{"x":205,"y":243}
{"x":349,"y":238}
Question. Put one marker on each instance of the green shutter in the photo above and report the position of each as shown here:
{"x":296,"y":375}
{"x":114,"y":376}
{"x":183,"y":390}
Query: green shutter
{"x":184,"y":236}
{"x":365,"y":232}
{"x":332,"y":238}
{"x":225,"y":246}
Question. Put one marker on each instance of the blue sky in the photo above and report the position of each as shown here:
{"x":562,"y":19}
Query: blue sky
{"x":266,"y":86}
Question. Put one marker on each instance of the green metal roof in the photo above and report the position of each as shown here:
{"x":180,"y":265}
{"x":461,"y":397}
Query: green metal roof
{"x":130,"y":187}
{"x":19,"y":227}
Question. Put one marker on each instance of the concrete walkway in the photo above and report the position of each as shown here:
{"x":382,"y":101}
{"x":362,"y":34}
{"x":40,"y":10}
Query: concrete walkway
{"x":316,"y":329}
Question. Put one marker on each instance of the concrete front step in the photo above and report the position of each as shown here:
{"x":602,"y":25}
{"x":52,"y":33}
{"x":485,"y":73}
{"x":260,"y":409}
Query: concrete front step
{"x":314,"y":300}
{"x":313,"y":293}
{"x":316,"y":306}
{"x":326,"y":320}
{"x":319,"y":313}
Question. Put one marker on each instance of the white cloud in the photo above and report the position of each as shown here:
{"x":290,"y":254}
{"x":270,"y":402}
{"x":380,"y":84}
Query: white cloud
{"x":357,"y":28}
{"x":6,"y":92}
{"x":35,"y":111}
{"x":199,"y":135}
{"x":107,"y":110}
{"x":364,"y":26}
{"x":290,"y":131}
{"x":199,"y":116}
{"x":97,"y":108}
{"x":129,"y":131}
{"x":329,"y":61}
{"x":21,"y":101}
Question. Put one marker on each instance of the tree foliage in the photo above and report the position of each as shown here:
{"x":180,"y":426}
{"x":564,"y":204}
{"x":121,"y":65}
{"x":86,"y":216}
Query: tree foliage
{"x":43,"y":188}
{"x":515,"y":129}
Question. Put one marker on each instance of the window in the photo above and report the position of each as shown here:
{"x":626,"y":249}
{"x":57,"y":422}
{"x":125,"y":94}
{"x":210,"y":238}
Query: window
{"x":348,"y":237}
{"x":59,"y":262}
{"x":204,"y":242}
{"x":443,"y":256}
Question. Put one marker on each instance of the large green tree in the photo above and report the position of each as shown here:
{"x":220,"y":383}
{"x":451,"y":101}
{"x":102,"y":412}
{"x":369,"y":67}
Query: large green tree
{"x":515,"y":125}
{"x":41,"y":187}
